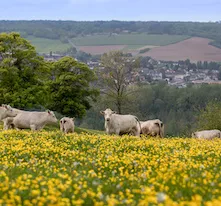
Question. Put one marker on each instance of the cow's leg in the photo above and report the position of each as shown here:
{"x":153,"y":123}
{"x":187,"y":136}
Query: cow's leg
{"x":33,"y":127}
{"x":6,"y":127}
{"x":137,"y":132}
{"x":39,"y":127}
{"x":61,"y":128}
{"x":117,"y":131}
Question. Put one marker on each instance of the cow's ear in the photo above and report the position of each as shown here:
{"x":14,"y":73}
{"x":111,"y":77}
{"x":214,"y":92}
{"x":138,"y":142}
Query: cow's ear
{"x":114,"y":112}
{"x":8,"y":107}
{"x":49,"y":112}
{"x":73,"y":118}
{"x":102,"y":112}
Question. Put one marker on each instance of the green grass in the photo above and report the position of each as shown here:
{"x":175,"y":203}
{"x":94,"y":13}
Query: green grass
{"x":76,"y":129}
{"x":43,"y":45}
{"x":128,"y":39}
{"x":56,"y":127}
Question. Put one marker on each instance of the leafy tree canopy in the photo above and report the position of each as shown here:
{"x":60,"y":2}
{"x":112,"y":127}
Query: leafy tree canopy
{"x":210,"y":117}
{"x":22,"y":72}
{"x":70,"y":89}
{"x":116,"y":75}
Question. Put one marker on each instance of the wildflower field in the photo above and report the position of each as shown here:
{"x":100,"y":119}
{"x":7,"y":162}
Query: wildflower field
{"x":50,"y":168}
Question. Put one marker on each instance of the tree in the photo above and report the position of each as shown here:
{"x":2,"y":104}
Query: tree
{"x":69,"y":89}
{"x":210,"y":117}
{"x":22,"y":72}
{"x":219,"y":75}
{"x":199,"y":65}
{"x":116,"y":75}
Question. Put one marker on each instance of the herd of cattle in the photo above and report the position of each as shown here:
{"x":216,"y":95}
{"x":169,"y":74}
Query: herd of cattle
{"x":20,"y":119}
{"x":114,"y":123}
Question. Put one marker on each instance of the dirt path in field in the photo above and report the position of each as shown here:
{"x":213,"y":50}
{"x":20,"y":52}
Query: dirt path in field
{"x":195,"y":49}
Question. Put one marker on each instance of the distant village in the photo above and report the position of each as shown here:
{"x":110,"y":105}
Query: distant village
{"x":179,"y":74}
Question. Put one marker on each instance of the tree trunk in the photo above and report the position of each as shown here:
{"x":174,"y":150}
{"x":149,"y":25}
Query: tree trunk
{"x":119,"y":105}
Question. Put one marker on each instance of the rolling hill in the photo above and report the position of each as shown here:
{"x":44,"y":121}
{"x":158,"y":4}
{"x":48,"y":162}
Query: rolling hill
{"x":161,"y":47}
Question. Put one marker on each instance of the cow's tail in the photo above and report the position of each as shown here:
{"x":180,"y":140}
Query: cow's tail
{"x":162,"y":129}
{"x":139,"y":124}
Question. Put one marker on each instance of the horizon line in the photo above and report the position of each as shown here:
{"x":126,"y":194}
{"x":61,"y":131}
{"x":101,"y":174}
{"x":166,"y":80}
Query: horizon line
{"x":218,"y":21}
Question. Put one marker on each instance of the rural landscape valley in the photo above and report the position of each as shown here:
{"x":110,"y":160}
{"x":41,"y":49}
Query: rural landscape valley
{"x":161,"y":46}
{"x":110,"y":102}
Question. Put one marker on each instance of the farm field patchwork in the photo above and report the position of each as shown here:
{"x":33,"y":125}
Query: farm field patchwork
{"x":101,"y":49}
{"x":195,"y":49}
{"x":50,"y":168}
{"x":134,"y":49}
{"x":128,"y":39}
{"x":98,"y":44}
{"x":44,"y":45}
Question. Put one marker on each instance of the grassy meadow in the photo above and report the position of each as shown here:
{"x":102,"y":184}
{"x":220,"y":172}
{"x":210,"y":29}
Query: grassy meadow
{"x":50,"y":168}
{"x":44,"y":45}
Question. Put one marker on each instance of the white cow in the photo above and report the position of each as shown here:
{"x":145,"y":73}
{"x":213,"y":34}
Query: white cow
{"x":153,"y":127}
{"x":8,"y":121}
{"x":207,"y":134}
{"x":120,"y":124}
{"x":33,"y":120}
{"x":67,"y":125}
{"x":6,"y":111}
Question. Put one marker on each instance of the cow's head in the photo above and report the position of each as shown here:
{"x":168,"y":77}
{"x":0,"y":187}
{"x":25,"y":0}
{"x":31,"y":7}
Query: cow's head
{"x":107,"y":114}
{"x":51,"y":116}
{"x":8,"y":111}
{"x":7,"y":107}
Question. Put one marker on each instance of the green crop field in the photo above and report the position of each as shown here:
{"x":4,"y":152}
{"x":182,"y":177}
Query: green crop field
{"x":128,"y":39}
{"x":46,"y":45}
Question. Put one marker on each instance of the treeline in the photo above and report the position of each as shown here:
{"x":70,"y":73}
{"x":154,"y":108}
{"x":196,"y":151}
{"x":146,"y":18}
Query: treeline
{"x":69,"y":29}
{"x":144,"y":63}
{"x":179,"y":109}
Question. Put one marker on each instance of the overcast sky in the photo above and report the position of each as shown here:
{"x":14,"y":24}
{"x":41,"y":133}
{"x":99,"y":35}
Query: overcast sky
{"x":144,"y":10}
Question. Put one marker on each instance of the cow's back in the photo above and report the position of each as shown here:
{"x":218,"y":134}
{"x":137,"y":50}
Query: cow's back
{"x":67,"y":124}
{"x":207,"y":134}
{"x":152,"y":127}
{"x":122,"y":124}
{"x":25,"y":119}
